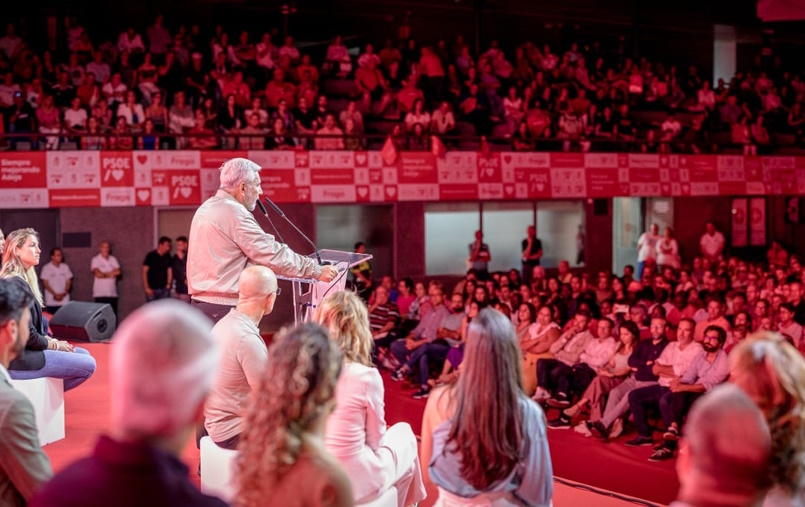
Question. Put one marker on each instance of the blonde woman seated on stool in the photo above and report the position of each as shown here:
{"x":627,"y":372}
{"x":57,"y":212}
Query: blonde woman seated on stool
{"x":375,"y":459}
{"x":282,"y":458}
{"x":488,"y":418}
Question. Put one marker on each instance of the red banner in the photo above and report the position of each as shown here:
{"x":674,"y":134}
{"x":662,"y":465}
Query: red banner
{"x":186,"y":178}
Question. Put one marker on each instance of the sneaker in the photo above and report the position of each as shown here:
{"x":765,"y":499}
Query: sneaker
{"x":541,"y":395}
{"x":559,"y":402}
{"x":672,"y":435}
{"x":560,"y":423}
{"x":389,"y":363}
{"x":617,"y":428}
{"x":572,"y":411}
{"x":398,"y":375}
{"x":421,"y":394}
{"x":640,"y":441}
{"x":583,"y":429}
{"x":663,"y":454}
{"x":598,"y":430}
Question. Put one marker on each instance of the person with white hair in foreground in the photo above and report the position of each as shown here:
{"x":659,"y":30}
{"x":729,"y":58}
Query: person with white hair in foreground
{"x":725,"y":458}
{"x":162,"y":364}
{"x":375,"y":458}
{"x":225,"y":238}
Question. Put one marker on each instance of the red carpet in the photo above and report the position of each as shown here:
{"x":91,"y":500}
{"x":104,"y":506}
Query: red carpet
{"x":612,"y":467}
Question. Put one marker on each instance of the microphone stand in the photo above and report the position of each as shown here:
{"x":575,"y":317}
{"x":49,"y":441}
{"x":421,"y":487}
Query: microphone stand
{"x":265,"y":213}
{"x":279,"y":212}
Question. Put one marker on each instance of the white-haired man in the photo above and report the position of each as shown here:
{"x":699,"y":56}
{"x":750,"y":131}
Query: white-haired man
{"x":226,"y":238}
{"x":726,"y":452}
{"x":244,"y":356}
{"x":163,"y":362}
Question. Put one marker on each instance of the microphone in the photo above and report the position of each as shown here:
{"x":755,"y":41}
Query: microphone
{"x":265,"y":213}
{"x":279,"y":212}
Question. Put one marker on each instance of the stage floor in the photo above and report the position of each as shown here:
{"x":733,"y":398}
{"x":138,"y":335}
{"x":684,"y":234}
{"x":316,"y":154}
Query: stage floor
{"x":612,"y":467}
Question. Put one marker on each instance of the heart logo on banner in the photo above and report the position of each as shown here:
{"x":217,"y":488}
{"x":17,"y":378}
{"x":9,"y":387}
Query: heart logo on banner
{"x":665,"y":189}
{"x":142,"y":159}
{"x":509,"y":189}
{"x":143,"y":195}
{"x":360,"y":158}
{"x":686,"y":188}
{"x":540,"y":186}
{"x":362,"y":191}
{"x":186,"y":192}
{"x":117,"y":174}
{"x":489,"y":172}
{"x":507,"y":158}
{"x":391,"y":191}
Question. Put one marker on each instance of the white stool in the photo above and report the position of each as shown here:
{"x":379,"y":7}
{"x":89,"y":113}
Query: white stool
{"x":387,"y":499}
{"x":218,"y":470}
{"x":47,"y":397}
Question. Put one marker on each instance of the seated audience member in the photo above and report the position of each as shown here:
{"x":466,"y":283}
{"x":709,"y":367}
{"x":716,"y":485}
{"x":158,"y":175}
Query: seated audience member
{"x":405,"y":296}
{"x":329,"y":136}
{"x":715,"y":317}
{"x":202,"y":137}
{"x":162,"y":365}
{"x":606,"y":379}
{"x":595,"y":356}
{"x":566,"y":353}
{"x":383,"y":317}
{"x":641,"y":362}
{"x":727,"y":452}
{"x":282,"y":460}
{"x":243,"y":356}
{"x":44,"y":356}
{"x":536,"y":345}
{"x":447,"y":336}
{"x":24,"y":467}
{"x":511,"y":435}
{"x":671,"y":365}
{"x":705,"y":372}
{"x":374,"y":457}
{"x":425,"y":332}
{"x":786,"y":325}
{"x":771,"y":372}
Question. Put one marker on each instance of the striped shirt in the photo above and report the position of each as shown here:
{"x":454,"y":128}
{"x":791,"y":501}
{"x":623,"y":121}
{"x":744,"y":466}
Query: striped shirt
{"x":382,"y":315}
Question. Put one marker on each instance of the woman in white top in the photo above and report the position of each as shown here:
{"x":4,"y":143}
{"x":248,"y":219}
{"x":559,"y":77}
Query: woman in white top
{"x":374,"y":458}
{"x":535,"y":345}
{"x":668,"y":251}
{"x":417,"y":115}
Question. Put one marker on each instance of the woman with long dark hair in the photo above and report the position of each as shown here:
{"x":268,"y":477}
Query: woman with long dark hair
{"x":492,"y":422}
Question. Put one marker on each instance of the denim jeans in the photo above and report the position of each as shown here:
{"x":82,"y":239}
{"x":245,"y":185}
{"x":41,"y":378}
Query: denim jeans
{"x":162,"y":293}
{"x":72,"y":367}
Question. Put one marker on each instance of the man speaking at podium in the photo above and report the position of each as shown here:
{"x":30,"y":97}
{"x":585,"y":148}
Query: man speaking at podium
{"x":225,"y":238}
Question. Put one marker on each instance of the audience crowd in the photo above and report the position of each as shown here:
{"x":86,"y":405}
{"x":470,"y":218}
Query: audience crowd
{"x":176,"y":86}
{"x":606,"y":355}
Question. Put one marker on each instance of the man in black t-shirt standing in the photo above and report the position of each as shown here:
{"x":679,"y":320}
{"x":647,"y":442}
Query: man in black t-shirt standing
{"x":532,"y":253}
{"x":157,"y":271}
{"x":179,"y":267}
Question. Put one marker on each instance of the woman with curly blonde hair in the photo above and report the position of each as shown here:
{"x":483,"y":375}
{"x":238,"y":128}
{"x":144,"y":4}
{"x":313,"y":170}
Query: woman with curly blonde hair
{"x":772,"y":372}
{"x":375,"y":459}
{"x":282,"y":458}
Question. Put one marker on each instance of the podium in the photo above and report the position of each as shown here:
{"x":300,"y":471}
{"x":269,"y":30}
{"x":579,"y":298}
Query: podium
{"x":308,"y":293}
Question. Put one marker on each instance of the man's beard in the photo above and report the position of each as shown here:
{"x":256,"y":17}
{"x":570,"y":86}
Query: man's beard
{"x":251,"y":201}
{"x":19,"y":348}
{"x":711,"y":347}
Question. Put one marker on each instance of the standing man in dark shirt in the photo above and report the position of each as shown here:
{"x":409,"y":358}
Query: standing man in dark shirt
{"x":179,"y":268}
{"x":157,"y":271}
{"x":532,"y":253}
{"x":362,"y":274}
{"x":479,"y":255}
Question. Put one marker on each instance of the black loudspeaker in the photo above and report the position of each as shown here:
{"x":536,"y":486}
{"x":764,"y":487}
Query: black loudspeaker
{"x":94,"y":322}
